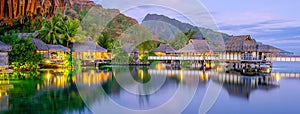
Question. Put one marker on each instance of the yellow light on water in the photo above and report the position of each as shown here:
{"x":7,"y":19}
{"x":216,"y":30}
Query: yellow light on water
{"x":38,"y":87}
{"x":48,"y":75}
{"x":158,"y":66}
{"x":181,"y":75}
{"x":268,"y":70}
{"x":277,"y":77}
{"x":202,"y":76}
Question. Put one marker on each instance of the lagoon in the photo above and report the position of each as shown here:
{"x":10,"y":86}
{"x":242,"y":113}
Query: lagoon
{"x":157,"y":89}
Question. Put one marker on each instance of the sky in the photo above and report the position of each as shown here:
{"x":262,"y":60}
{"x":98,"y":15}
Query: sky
{"x":274,"y":22}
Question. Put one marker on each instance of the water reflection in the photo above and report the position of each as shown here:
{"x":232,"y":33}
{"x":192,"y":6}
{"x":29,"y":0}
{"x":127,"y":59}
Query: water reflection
{"x":73,"y":91}
{"x":44,"y":91}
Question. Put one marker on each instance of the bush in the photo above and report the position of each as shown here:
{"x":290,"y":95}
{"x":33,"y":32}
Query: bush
{"x":144,"y":58}
{"x":22,"y":56}
{"x":25,"y":66}
{"x":70,"y":61}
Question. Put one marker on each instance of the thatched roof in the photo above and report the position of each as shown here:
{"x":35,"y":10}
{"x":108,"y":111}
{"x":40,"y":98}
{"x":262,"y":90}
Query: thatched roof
{"x":58,"y":48}
{"x":4,"y":47}
{"x":27,"y":35}
{"x":129,"y":48}
{"x":165,"y":48}
{"x":241,"y":44}
{"x":88,"y":46}
{"x":39,"y":44}
{"x":195,"y":46}
{"x":267,"y":48}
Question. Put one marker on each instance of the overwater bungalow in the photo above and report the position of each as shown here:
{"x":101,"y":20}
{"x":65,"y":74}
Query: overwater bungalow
{"x":265,"y":51}
{"x":196,"y":47}
{"x":164,"y":49}
{"x":241,"y":48}
{"x":89,"y":51}
{"x":4,"y":49}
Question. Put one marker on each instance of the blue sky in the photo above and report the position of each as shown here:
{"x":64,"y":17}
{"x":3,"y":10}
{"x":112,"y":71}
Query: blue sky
{"x":275,"y":22}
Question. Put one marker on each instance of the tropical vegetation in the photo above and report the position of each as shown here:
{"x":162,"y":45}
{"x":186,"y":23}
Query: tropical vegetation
{"x":22,"y":56}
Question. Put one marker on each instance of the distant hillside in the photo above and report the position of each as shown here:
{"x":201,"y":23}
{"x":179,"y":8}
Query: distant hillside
{"x":163,"y":26}
{"x":96,"y":18}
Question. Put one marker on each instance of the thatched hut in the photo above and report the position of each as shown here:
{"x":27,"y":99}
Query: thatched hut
{"x":57,"y":52}
{"x":52,"y":52}
{"x":195,"y":47}
{"x":241,"y":45}
{"x":89,"y":50}
{"x":4,"y":49}
{"x":164,"y":49}
{"x":40,"y":46}
{"x":264,"y":51}
{"x":131,"y":50}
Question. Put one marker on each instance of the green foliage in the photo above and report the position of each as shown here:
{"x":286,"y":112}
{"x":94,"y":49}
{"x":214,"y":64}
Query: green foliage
{"x":25,"y":25}
{"x":185,"y":64}
{"x":70,"y":61}
{"x":121,"y":57}
{"x":22,"y":55}
{"x":71,"y":31}
{"x":50,"y":32}
{"x":25,"y":66}
{"x":147,"y":46}
{"x":190,"y":34}
{"x":106,"y":41}
{"x":60,"y":31}
{"x":144,"y":58}
{"x":179,"y":41}
{"x":25,"y":75}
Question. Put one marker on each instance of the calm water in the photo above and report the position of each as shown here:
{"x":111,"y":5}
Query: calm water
{"x":154,"y":89}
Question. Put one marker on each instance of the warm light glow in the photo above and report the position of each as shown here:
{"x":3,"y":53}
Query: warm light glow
{"x":278,"y":77}
{"x":38,"y":87}
{"x":220,"y":69}
{"x":181,"y":75}
{"x":158,"y":66}
{"x":97,"y":78}
{"x":48,"y":61}
{"x":48,"y":75}
{"x":268,"y":70}
{"x":141,"y":74}
{"x":159,"y":53}
{"x":207,"y":65}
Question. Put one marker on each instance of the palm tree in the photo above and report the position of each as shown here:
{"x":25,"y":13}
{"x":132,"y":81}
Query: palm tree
{"x":70,"y":31}
{"x":105,"y":41}
{"x":190,"y":34}
{"x":50,"y":31}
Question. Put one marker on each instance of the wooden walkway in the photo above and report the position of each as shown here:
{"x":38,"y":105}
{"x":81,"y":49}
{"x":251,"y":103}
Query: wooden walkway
{"x":223,"y":58}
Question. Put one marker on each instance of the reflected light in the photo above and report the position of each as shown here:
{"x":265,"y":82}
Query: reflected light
{"x":141,"y":74}
{"x":38,"y":87}
{"x":181,"y":75}
{"x":158,"y":66}
{"x":278,"y":77}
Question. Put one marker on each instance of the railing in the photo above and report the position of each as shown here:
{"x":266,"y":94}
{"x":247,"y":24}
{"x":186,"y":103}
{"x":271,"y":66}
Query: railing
{"x":228,"y":57}
{"x":182,"y":58}
{"x":285,"y":58}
